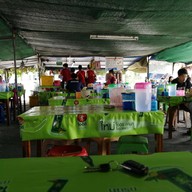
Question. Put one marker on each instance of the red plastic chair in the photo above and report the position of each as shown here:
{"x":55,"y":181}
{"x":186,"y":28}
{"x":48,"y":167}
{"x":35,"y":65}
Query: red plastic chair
{"x":66,"y":151}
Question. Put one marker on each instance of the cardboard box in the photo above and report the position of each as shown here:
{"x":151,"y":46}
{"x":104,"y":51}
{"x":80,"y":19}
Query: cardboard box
{"x":33,"y":101}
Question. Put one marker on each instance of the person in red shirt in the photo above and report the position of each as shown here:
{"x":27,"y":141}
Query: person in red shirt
{"x":66,"y":74}
{"x":81,"y":75}
{"x":90,"y":76}
{"x":111,"y":78}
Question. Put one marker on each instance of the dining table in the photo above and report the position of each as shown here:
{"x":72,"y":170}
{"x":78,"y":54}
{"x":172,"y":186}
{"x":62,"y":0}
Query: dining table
{"x":4,"y":97}
{"x":167,"y":171}
{"x":44,"y":96}
{"x":87,"y":121}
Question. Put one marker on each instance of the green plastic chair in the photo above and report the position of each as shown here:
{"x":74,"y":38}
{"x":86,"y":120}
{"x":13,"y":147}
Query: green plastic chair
{"x":132,"y":144}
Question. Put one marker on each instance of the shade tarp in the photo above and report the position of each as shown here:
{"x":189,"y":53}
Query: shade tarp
{"x":181,"y":53}
{"x":6,"y":45}
{"x":63,"y":28}
{"x":139,"y":66}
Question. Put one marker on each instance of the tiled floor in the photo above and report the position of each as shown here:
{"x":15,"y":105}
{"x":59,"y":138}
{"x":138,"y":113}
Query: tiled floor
{"x":11,"y":145}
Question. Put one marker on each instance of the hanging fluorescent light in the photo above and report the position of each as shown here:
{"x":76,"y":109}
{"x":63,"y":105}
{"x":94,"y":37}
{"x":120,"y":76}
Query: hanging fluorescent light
{"x":115,"y":37}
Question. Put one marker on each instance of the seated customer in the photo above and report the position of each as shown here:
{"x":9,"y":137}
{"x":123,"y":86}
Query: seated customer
{"x":74,"y":85}
{"x":181,"y":84}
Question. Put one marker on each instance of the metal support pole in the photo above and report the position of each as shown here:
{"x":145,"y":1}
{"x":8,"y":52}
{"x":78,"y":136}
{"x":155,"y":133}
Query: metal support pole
{"x":147,"y":67}
{"x":173,"y":65}
{"x":14,"y":56}
{"x":39,"y":63}
{"x":5,"y":73}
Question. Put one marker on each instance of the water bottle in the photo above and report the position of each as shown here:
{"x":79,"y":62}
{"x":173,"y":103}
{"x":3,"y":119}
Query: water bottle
{"x":7,"y":88}
{"x":153,"y":104}
{"x":154,"y":98}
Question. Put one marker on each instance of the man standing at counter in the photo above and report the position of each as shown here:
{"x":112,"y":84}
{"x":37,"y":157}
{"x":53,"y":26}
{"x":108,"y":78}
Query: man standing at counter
{"x":183,"y":84}
{"x":66,"y":74}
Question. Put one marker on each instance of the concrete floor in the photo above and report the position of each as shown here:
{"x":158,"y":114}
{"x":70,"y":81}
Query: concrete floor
{"x":11,"y":145}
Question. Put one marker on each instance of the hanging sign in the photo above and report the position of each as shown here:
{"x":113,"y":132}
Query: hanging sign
{"x":115,"y":63}
{"x":59,"y":61}
{"x":95,"y":64}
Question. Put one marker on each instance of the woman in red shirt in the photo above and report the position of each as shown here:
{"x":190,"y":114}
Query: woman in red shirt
{"x":111,"y":78}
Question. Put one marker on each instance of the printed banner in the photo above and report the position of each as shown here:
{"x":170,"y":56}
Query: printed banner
{"x":87,"y":121}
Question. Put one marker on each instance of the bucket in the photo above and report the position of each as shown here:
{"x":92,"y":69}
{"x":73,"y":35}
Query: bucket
{"x":115,"y":96}
{"x":128,"y":101}
{"x":171,"y":89}
{"x":105,"y":93}
{"x":143,"y":97}
{"x":57,"y":83}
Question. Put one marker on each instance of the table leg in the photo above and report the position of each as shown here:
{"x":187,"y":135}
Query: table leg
{"x":170,"y":123}
{"x":39,"y":148}
{"x":24,"y":105}
{"x":108,"y":146}
{"x":14,"y":109}
{"x":172,"y":111}
{"x":159,"y":143}
{"x":7,"y":111}
{"x":26,"y":148}
{"x":20,"y":105}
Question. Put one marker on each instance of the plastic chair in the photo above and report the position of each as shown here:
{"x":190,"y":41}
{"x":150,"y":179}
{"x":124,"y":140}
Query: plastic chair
{"x":66,"y":151}
{"x":103,"y":144}
{"x":177,"y":117}
{"x":132,"y":144}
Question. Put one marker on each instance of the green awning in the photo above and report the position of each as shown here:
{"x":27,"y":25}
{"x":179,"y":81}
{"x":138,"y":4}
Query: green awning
{"x":23,"y":50}
{"x":181,"y":53}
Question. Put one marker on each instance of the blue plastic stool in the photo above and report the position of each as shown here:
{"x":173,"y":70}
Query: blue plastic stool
{"x":132,"y":144}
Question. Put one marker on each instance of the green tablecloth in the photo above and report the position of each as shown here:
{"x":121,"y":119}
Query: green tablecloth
{"x":167,"y":172}
{"x":20,"y":93}
{"x":46,"y":95}
{"x":6,"y":95}
{"x":174,"y":100}
{"x":57,"y":101}
{"x":95,"y":101}
{"x":49,"y":86}
{"x":87,"y":121}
